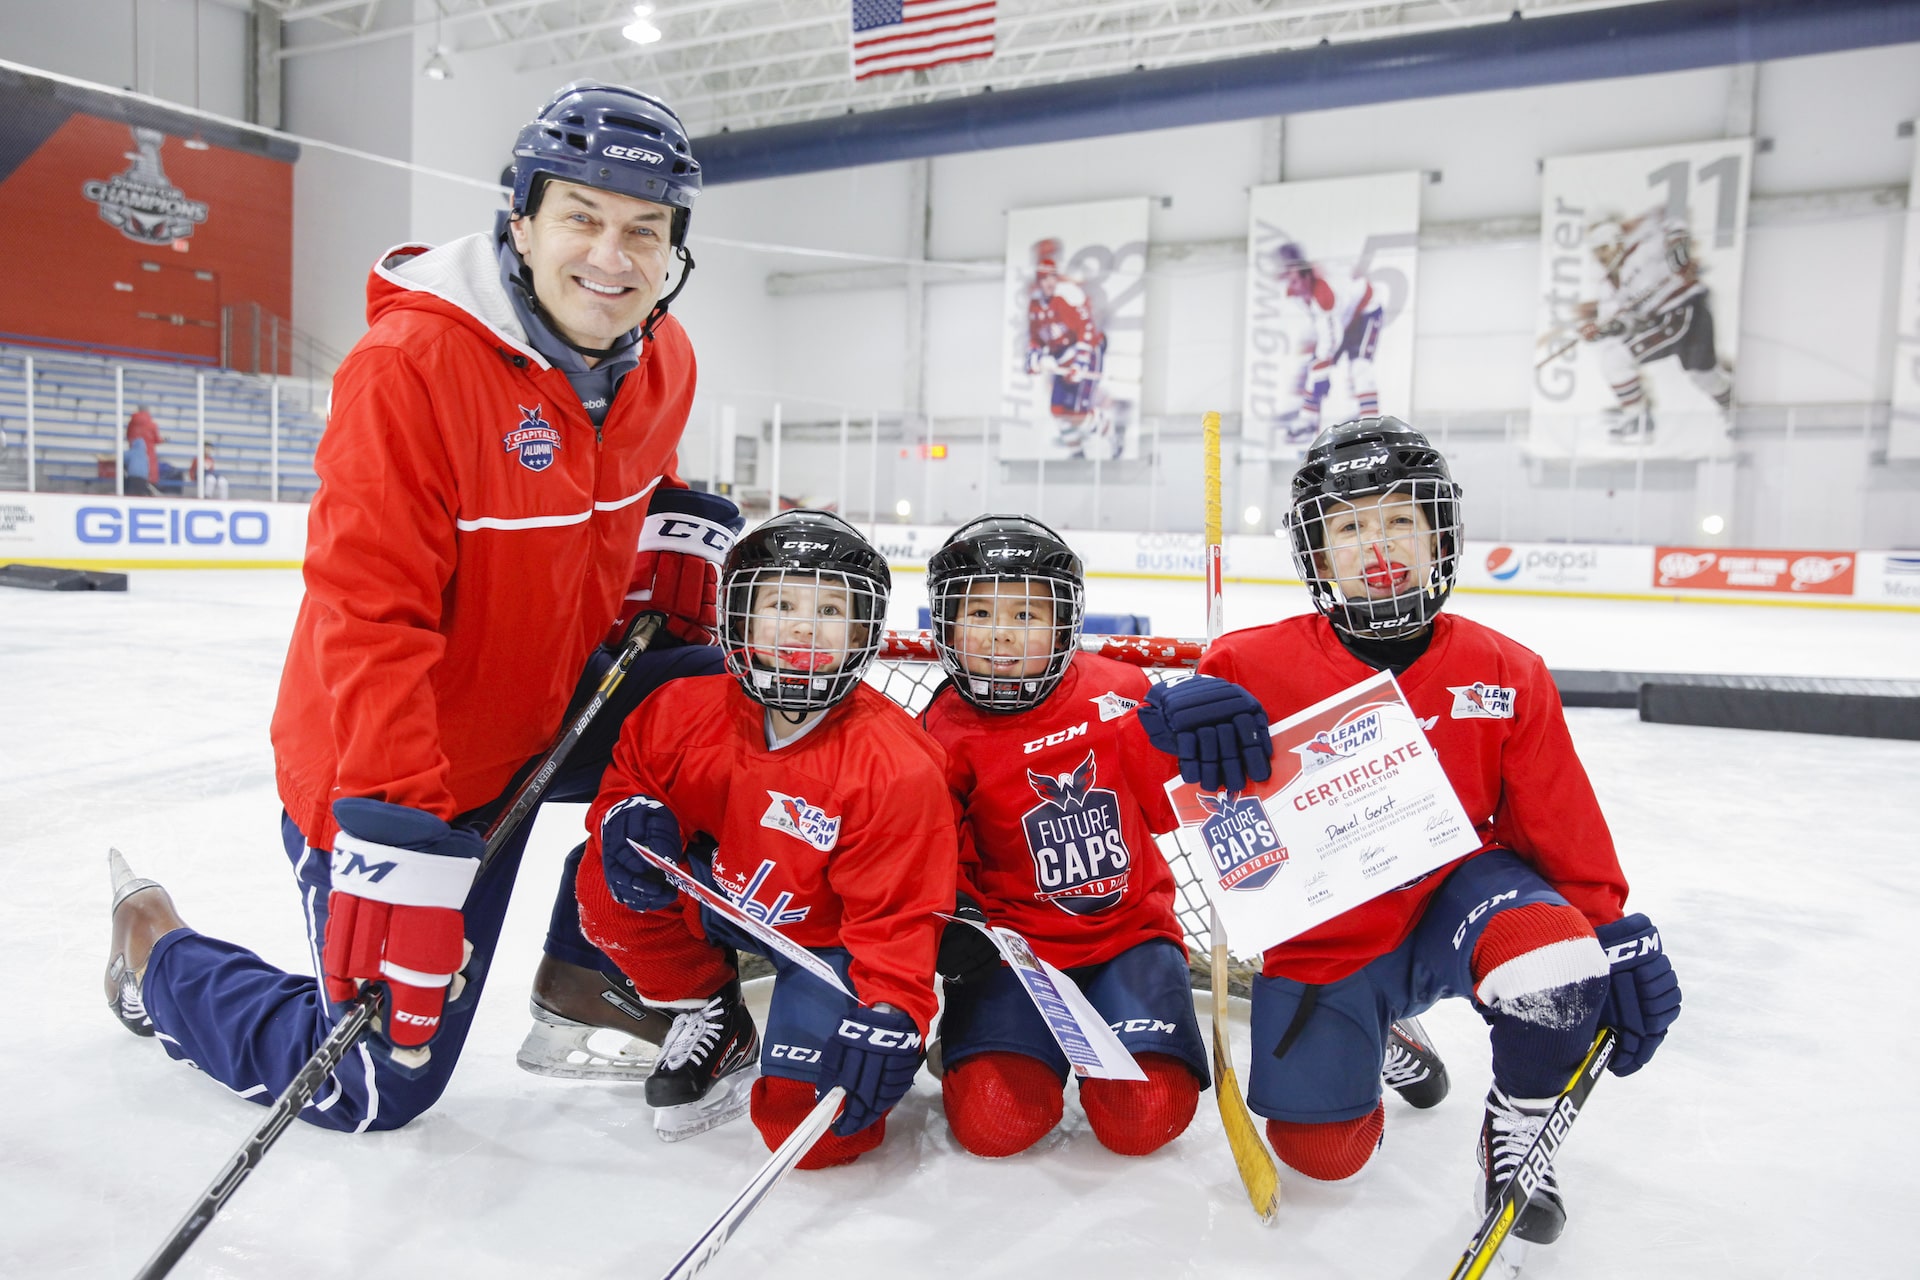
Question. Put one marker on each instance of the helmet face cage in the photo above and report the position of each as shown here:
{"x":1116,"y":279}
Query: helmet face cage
{"x":995,"y":620}
{"x":798,"y":640}
{"x":1374,"y":575}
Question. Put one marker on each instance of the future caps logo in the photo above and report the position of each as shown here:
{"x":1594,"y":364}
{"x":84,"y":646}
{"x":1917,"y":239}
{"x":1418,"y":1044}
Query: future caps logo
{"x":141,"y":202}
{"x":1503,"y":564}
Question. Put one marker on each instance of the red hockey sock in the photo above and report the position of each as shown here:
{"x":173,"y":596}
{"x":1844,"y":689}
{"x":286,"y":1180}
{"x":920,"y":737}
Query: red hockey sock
{"x":1331,"y":1151}
{"x":660,"y":950}
{"x":1526,"y":952}
{"x":999,"y":1104}
{"x":1136,"y":1117}
{"x":778,"y":1107}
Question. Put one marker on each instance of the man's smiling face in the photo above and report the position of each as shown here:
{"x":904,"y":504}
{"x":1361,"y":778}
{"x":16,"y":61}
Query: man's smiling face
{"x":598,"y":259}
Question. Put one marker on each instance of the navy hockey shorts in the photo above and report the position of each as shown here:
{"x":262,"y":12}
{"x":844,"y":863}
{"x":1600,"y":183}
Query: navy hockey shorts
{"x":1072,"y":397}
{"x":1362,"y":337}
{"x":1144,"y":993}
{"x":1331,"y":1069}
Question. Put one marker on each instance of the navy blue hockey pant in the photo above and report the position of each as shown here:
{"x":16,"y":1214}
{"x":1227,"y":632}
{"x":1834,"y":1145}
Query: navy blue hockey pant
{"x":252,"y":1026}
{"x":1330,"y":1069}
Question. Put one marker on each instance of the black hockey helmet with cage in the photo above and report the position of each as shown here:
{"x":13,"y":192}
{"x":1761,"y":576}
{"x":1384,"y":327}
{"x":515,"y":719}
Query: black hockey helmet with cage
{"x":993,"y":553}
{"x":1369,"y":459}
{"x":796,"y":557}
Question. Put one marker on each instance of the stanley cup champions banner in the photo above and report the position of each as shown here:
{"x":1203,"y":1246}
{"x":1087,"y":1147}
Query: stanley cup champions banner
{"x":1639,"y":316}
{"x":1075,"y":331}
{"x":1330,"y":279}
{"x":1903,"y":434}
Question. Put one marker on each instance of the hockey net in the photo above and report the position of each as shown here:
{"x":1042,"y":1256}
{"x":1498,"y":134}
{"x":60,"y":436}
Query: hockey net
{"x":907,"y":670}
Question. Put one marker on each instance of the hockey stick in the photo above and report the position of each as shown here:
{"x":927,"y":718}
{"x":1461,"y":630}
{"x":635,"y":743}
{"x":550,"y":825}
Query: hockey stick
{"x":1506,"y":1207}
{"x":365,"y":1007}
{"x":798,"y":1143}
{"x":1258,"y":1173}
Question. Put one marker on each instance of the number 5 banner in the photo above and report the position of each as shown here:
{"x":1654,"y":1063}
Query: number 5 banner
{"x":1075,"y":331}
{"x":1639,"y":312}
{"x":1330,"y":277}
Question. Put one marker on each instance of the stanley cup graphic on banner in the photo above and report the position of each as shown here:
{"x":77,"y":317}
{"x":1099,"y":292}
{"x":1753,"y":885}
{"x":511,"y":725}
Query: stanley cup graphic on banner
{"x":1639,"y":313}
{"x":1074,"y":331}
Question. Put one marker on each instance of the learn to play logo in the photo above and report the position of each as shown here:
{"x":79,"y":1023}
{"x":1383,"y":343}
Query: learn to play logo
{"x":1240,"y":837}
{"x":1355,"y":731}
{"x":1080,"y":858}
{"x":534,"y":440}
{"x":1482,"y":701}
{"x":803,"y":821}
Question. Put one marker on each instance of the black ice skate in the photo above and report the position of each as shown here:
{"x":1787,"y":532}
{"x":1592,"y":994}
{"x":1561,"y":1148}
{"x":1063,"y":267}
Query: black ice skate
{"x":707,"y":1067}
{"x":1507,"y":1132}
{"x":588,"y":1025}
{"x":142,"y":914}
{"x":1412,"y":1069}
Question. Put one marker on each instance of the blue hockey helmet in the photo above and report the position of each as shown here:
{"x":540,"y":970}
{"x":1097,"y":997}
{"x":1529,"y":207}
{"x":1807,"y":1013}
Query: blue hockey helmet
{"x":612,"y":138}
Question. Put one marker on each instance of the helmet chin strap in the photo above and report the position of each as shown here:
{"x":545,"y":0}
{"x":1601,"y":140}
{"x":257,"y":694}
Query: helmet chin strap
{"x":659,"y":311}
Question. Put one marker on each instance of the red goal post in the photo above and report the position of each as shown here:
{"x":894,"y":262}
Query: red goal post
{"x":908,"y":671}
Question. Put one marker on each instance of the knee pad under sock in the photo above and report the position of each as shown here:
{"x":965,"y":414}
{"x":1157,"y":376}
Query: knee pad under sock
{"x":778,"y":1107}
{"x":1135,"y":1117}
{"x":1330,"y":1151}
{"x":1542,"y":975}
{"x":999,"y":1104}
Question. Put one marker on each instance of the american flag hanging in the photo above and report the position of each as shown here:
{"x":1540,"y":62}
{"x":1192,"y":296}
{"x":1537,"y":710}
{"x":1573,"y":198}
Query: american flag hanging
{"x":906,"y":35}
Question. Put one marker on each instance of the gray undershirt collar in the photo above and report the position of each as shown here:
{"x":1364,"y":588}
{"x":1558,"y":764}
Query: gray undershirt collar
{"x":595,"y":386}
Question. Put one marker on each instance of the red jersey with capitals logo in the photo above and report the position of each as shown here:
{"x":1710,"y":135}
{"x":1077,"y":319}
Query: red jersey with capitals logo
{"x":1062,"y":803}
{"x":1492,"y":714}
{"x":472,"y":539}
{"x":845,"y":837}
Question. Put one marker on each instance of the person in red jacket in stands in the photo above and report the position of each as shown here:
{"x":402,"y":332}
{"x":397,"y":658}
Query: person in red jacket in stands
{"x":501,"y":444}
{"x":143,"y":454}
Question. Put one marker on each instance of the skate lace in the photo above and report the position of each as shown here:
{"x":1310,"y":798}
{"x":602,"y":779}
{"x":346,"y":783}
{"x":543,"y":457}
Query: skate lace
{"x":1403,"y":1067}
{"x":1513,"y":1132}
{"x":694,"y":1034}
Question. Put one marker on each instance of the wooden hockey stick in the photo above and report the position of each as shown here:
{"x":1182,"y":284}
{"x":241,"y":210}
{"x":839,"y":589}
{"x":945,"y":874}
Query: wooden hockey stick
{"x":798,"y":1143}
{"x":1258,"y":1173}
{"x":1506,"y":1206}
{"x":365,"y":1007}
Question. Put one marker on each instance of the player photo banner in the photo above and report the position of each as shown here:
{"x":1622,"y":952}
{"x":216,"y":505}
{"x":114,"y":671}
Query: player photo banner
{"x":1903,"y":433}
{"x":1639,"y":316}
{"x":1330,"y":281}
{"x":1075,"y":331}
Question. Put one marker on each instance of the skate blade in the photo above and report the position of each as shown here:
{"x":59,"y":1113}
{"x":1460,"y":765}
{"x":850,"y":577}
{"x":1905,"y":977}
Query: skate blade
{"x":727,"y":1100}
{"x":125,"y":883}
{"x":566,"y":1050}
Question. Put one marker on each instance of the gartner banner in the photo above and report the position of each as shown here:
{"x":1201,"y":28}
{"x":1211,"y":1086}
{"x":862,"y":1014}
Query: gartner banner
{"x":1330,"y":281}
{"x":1075,"y":331}
{"x":1639,"y":314}
{"x":1903,"y":432}
{"x":104,"y":532}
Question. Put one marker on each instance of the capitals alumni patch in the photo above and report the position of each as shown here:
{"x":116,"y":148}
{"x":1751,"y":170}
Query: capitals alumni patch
{"x":1080,"y":859}
{"x":1479,"y":701}
{"x":535,"y":440}
{"x":803,"y":821}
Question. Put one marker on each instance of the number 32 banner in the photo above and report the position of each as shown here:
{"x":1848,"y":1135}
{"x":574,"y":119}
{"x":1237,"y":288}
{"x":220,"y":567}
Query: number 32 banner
{"x":1330,"y":276}
{"x":1639,"y":312}
{"x":1074,"y":331}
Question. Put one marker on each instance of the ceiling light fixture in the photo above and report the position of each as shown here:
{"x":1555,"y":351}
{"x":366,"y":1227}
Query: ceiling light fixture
{"x":640,"y":31}
{"x":437,"y":68}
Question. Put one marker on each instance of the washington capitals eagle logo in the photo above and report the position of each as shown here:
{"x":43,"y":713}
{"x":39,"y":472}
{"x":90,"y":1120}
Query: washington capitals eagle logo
{"x":1080,"y":860}
{"x":534,"y":440}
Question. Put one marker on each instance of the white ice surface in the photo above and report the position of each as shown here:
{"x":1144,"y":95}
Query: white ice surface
{"x":1774,"y":1135}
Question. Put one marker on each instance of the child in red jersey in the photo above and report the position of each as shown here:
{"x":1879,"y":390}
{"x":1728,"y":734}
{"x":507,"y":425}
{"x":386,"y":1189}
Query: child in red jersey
{"x":1063,"y":796}
{"x":1530,"y":927}
{"x":815,"y":805}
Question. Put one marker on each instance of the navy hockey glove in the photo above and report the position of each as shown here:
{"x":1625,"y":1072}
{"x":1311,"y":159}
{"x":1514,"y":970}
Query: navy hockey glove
{"x":966,"y":954}
{"x":1216,"y":728}
{"x":633,"y":881}
{"x":677,"y":568}
{"x":874,"y":1055}
{"x":1643,"y":993}
{"x":400,"y":879}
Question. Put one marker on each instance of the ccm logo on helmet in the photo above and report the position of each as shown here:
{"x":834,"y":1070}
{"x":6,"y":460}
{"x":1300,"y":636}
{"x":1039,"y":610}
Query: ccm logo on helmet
{"x":1355,"y":464}
{"x":1009,"y":553}
{"x":803,"y":546}
{"x":633,"y":153}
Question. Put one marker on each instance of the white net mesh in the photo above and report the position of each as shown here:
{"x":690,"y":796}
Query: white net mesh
{"x":908,"y":672}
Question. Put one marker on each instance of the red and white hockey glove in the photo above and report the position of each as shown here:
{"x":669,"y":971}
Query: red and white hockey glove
{"x":400,"y":879}
{"x":677,"y":570}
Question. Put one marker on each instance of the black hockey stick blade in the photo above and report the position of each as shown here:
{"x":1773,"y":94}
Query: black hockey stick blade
{"x":365,"y":1007}
{"x":1506,"y":1207}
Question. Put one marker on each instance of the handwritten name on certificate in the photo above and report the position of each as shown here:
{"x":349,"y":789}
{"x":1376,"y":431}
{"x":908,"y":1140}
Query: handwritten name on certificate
{"x":1357,"y":806}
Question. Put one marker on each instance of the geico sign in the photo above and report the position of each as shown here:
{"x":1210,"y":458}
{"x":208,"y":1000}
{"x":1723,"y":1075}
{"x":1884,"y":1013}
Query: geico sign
{"x":171,"y":526}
